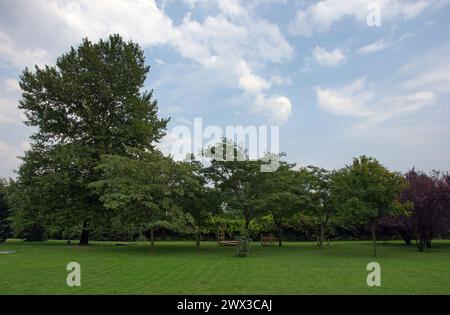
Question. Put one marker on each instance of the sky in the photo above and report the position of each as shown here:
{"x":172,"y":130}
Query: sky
{"x":340,"y":78}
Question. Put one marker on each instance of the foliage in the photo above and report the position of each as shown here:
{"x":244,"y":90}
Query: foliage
{"x":366,"y":192}
{"x":321,"y":202}
{"x":136,"y":188}
{"x":237,"y":178}
{"x":284,"y":194}
{"x":429,"y":195}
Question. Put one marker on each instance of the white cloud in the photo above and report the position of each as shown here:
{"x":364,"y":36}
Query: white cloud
{"x":429,"y":72}
{"x":359,"y":101}
{"x":276,"y":108}
{"x":350,"y":100}
{"x":373,"y":47}
{"x":140,"y":20}
{"x":328,"y":58}
{"x":234,"y":44}
{"x":14,"y":54}
{"x":249,"y":82}
{"x":320,"y":16}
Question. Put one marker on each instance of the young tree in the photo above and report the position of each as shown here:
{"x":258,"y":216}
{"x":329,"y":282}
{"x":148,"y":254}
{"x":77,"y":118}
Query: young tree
{"x":88,"y":105}
{"x":194,"y":198}
{"x":283,"y":194}
{"x":320,"y":200}
{"x":238,"y":178}
{"x":366,"y":191}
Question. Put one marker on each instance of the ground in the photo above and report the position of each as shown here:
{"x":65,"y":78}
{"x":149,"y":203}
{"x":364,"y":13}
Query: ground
{"x":178,"y":268}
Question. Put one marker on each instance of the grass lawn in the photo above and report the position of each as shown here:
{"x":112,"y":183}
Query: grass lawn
{"x":178,"y":268}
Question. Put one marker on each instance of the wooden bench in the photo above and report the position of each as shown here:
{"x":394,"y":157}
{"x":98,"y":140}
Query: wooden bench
{"x":221,"y":241}
{"x":268,"y":240}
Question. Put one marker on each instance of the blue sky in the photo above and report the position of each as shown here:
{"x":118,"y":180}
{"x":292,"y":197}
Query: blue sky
{"x":337,"y":87}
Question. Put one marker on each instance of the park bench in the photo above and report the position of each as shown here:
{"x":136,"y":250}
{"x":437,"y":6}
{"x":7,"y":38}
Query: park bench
{"x":268,"y":240}
{"x":221,"y":240}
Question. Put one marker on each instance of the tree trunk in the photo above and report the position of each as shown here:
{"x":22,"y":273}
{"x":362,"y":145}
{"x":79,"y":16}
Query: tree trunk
{"x":374,"y":239}
{"x":428,"y":243}
{"x":406,"y":236}
{"x":420,"y":245}
{"x":247,"y":230}
{"x":280,"y":235}
{"x":322,"y":234}
{"x":84,"y":239}
{"x":152,"y":237}
{"x":197,"y":240}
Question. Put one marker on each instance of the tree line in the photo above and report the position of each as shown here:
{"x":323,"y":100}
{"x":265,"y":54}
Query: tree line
{"x":94,"y":166}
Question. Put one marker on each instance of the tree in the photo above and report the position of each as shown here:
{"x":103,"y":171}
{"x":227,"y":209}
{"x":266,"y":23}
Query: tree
{"x":4,"y":212}
{"x":137,"y":188}
{"x":282,"y":195}
{"x":429,"y":196}
{"x":366,"y":191}
{"x":193,"y":197}
{"x":88,"y":105}
{"x":238,"y":178}
{"x":320,"y":202}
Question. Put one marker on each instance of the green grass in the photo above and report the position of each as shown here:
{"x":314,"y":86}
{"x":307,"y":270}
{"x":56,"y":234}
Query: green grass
{"x":178,"y":268}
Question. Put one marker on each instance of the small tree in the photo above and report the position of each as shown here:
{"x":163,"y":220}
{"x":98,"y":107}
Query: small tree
{"x":320,"y":200}
{"x":282,"y":196}
{"x":193,"y":198}
{"x":367,"y":191}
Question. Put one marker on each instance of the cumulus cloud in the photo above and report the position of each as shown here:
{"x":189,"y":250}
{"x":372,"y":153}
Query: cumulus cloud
{"x":276,"y":108}
{"x":359,"y":101}
{"x":228,"y":43}
{"x":320,"y":16}
{"x":328,"y":58}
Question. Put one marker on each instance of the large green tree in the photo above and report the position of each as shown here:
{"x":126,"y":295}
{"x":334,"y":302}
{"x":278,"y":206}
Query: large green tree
{"x":367,"y":191}
{"x":89,"y":104}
